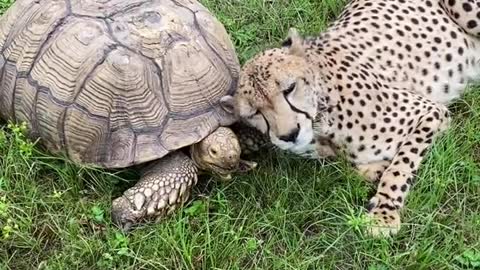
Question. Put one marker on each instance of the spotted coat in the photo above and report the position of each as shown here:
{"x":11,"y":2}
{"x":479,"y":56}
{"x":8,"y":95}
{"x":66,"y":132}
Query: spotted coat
{"x":373,"y":87}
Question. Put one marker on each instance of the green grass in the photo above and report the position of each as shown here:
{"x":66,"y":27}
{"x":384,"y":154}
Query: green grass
{"x":289,"y":214}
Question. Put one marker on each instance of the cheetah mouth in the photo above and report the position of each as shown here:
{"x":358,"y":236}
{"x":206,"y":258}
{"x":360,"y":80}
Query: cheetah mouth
{"x":297,"y":146}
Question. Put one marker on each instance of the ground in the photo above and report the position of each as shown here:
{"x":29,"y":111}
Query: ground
{"x":289,"y":214}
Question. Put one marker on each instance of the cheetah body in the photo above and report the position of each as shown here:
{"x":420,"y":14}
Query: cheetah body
{"x":374,"y":64}
{"x":374,"y":86}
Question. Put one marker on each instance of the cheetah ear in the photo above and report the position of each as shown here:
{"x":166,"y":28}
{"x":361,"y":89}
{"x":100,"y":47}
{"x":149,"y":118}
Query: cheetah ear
{"x":294,"y":42}
{"x":228,"y":104}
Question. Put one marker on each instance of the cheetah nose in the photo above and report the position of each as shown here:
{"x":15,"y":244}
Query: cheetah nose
{"x":290,"y":137}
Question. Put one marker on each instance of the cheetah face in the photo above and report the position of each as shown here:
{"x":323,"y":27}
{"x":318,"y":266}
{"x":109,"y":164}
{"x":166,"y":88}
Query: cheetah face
{"x":276,"y":95}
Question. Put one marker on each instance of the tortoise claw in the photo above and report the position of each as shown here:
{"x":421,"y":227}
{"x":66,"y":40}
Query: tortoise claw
{"x":123,"y":215}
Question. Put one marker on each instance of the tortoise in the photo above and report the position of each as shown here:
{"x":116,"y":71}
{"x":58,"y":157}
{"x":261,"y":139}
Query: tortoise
{"x":126,"y":83}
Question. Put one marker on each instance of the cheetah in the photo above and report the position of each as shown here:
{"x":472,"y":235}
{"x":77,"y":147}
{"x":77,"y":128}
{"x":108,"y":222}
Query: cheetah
{"x":373,"y":87}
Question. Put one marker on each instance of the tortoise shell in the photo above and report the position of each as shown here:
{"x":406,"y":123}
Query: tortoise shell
{"x":114,"y":83}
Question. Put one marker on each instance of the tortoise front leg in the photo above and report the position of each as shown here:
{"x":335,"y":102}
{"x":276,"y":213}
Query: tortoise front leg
{"x":163,"y":186}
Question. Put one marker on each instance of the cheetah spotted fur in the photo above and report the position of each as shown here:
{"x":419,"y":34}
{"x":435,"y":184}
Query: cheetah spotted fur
{"x":373,"y":87}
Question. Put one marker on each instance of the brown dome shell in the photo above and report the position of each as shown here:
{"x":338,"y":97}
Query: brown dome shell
{"x":115,"y":83}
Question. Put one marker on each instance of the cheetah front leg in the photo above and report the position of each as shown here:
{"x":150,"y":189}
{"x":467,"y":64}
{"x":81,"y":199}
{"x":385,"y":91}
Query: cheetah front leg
{"x":397,"y":179}
{"x":373,"y":171}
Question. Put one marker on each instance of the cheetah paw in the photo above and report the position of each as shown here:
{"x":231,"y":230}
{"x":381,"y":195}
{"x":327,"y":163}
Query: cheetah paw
{"x":373,"y":171}
{"x":385,"y":216}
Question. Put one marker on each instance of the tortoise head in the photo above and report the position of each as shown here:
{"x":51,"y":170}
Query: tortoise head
{"x":219,"y":153}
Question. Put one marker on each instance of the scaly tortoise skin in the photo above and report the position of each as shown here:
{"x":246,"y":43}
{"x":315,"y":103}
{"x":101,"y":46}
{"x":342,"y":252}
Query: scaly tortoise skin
{"x":124,"y":82}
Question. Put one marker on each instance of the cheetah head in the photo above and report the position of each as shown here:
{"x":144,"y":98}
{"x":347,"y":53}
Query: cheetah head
{"x":277,"y":95}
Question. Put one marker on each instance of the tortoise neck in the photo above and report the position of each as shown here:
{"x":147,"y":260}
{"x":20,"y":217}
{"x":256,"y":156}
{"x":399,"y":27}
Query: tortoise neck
{"x":194,"y":155}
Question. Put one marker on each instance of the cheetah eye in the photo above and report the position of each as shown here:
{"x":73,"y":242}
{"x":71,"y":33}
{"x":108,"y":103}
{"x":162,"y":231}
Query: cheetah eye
{"x":289,"y":90}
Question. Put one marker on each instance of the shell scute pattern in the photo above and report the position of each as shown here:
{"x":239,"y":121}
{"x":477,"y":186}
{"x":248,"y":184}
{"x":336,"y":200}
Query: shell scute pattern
{"x":107,"y":81}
